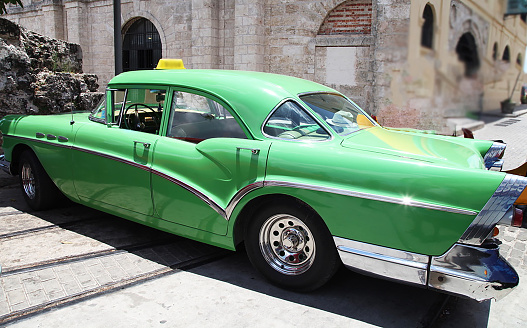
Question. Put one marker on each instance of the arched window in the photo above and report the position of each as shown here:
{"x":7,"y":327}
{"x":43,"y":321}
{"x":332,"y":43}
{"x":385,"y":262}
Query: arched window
{"x":519,"y":60}
{"x":427,"y":33}
{"x":141,"y":46}
{"x":467,"y":52}
{"x":495,"y":51}
{"x":506,"y":55}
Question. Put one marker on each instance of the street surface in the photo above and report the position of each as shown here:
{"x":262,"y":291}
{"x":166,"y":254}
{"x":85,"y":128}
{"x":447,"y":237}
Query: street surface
{"x":75,"y":266}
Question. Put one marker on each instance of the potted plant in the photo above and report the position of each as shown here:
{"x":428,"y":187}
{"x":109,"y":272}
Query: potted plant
{"x":507,"y":106}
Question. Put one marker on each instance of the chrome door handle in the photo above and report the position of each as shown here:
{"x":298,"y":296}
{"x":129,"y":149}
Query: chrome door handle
{"x":255,"y":151}
{"x":145,"y":144}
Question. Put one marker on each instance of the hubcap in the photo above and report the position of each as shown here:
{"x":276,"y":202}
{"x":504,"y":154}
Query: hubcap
{"x":28,"y":181}
{"x":287,"y":245}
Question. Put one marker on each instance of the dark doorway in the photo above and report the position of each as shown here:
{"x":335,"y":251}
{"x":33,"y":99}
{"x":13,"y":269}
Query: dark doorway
{"x":467,"y":52}
{"x":141,"y":46}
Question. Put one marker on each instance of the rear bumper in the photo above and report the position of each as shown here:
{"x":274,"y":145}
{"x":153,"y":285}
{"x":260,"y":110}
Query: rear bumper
{"x":475,"y":272}
{"x":5,"y":165}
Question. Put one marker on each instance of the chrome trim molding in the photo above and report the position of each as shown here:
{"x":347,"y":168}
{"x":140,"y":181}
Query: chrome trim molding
{"x":239,"y":196}
{"x":225,"y":213}
{"x":492,"y":155}
{"x":497,"y":165}
{"x":475,"y":272}
{"x":194,"y":191}
{"x":387,"y":199}
{"x":386,"y":262}
{"x":5,"y":165}
{"x":56,"y":144}
{"x":178,"y":182}
{"x":496,"y":208}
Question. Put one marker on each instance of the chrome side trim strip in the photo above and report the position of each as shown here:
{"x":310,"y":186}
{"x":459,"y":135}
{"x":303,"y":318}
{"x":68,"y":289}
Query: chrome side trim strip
{"x":383,"y":261}
{"x":225,"y":213}
{"x":178,"y":182}
{"x":56,"y":144}
{"x":239,"y":196}
{"x":493,"y":153}
{"x":194,"y":191}
{"x":496,"y":207}
{"x":477,"y":272}
{"x":387,"y":199}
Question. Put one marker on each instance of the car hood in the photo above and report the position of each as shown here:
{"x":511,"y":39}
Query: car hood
{"x":416,"y":146}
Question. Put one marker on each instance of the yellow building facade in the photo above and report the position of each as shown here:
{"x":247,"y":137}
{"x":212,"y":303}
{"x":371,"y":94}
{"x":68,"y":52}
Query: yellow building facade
{"x":463,"y":57}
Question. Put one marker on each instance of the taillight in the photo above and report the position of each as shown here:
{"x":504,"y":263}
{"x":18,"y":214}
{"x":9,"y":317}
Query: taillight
{"x":495,"y":232}
{"x":517,"y":217}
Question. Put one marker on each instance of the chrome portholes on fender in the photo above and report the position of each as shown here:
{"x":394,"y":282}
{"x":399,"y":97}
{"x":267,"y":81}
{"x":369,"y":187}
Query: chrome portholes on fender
{"x":290,"y":245}
{"x":287,"y":244}
{"x":27,"y":180}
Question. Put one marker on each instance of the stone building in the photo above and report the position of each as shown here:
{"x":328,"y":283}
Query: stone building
{"x":412,"y":63}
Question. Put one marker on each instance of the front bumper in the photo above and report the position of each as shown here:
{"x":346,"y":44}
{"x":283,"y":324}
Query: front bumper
{"x":5,"y":165}
{"x":475,"y":272}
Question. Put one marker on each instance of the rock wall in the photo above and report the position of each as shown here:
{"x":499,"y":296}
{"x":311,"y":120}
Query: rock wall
{"x":40,"y":75}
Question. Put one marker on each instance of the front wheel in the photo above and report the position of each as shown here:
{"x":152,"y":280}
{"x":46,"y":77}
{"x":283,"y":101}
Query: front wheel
{"x":39,"y":191}
{"x":292,"y":247}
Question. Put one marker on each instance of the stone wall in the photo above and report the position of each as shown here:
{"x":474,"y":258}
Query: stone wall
{"x":369,"y":50}
{"x":39,"y":75}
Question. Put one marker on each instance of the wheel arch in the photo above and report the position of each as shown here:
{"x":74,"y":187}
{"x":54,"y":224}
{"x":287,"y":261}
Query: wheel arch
{"x":252,"y":206}
{"x":15,"y":156}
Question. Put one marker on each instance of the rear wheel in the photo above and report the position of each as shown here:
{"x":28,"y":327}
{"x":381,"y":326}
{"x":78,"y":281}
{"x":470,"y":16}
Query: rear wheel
{"x":39,"y":191}
{"x":292,"y":247}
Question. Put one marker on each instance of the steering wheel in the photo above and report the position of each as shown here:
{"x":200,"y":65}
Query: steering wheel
{"x":139,"y":123}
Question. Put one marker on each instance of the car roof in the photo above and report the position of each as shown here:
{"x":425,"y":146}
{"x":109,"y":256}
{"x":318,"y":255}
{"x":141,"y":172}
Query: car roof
{"x":251,"y":94}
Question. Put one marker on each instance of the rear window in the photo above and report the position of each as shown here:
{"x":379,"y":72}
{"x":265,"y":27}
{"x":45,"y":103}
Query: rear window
{"x":343,"y":116}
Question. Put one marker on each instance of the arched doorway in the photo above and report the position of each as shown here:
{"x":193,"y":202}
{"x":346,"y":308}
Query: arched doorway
{"x":467,"y":52}
{"x":142,"y":46}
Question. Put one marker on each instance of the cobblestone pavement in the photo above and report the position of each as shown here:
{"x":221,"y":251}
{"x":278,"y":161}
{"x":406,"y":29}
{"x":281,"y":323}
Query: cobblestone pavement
{"x":51,"y":257}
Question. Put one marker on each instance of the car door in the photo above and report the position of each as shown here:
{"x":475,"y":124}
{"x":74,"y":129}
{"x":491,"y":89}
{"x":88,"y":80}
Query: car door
{"x":114,"y":160}
{"x":202,"y":162}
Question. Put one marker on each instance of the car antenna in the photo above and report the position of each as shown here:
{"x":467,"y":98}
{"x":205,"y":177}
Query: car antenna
{"x":72,"y":120}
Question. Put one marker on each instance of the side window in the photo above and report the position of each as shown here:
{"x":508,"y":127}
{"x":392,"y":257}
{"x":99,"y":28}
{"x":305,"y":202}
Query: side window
{"x":142,"y":109}
{"x":290,"y":121}
{"x":195,"y":118}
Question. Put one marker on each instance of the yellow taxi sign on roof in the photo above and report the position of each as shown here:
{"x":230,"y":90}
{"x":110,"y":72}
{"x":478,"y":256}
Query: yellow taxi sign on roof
{"x":165,"y":63}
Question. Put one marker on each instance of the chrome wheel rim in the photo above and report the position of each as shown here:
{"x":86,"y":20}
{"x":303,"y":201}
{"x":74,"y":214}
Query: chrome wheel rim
{"x":287,"y":244}
{"x":28,"y":181}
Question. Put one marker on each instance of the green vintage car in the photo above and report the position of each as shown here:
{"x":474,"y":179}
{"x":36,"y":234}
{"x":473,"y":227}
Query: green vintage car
{"x":292,"y":169}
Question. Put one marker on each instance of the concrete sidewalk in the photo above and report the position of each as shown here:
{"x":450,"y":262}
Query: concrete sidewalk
{"x":512,"y":130}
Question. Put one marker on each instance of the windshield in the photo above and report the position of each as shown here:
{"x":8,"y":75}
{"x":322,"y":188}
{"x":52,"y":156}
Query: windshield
{"x":343,"y":116}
